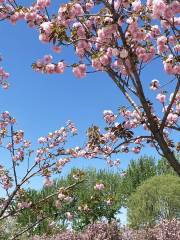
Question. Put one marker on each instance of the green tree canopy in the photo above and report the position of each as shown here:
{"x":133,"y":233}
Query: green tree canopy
{"x":137,"y":172}
{"x":88,"y":204}
{"x":157,"y":198}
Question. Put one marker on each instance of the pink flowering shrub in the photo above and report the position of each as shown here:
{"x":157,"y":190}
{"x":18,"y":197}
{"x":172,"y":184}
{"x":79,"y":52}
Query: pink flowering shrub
{"x":98,"y":231}
{"x":166,"y":230}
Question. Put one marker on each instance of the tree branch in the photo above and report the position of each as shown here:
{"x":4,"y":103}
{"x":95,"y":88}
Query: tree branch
{"x":169,"y":106}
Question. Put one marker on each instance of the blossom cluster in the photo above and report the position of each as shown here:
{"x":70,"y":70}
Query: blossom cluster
{"x":97,"y":35}
{"x":47,"y":159}
{"x":101,"y":43}
{"x":3,"y":78}
{"x":45,"y":65}
{"x":51,"y":147}
{"x":120,"y":137}
{"x":5,"y":179}
{"x":14,"y":142}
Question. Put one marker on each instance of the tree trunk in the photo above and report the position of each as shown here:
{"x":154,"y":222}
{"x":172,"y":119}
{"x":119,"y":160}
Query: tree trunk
{"x":168,"y":154}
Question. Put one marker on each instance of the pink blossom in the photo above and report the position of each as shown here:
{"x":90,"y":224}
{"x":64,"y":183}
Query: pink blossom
{"x":172,"y":118}
{"x":46,"y":26}
{"x":109,"y":117}
{"x":109,"y":202}
{"x":50,"y":68}
{"x":60,"y":67}
{"x":162,"y":40}
{"x":138,"y":140}
{"x":22,"y":205}
{"x":123,"y":53}
{"x":42,"y":140}
{"x":48,"y":182}
{"x":47,"y":59}
{"x":61,"y":196}
{"x":43,"y":38}
{"x":77,"y":10}
{"x":89,"y":5}
{"x":69,"y":216}
{"x":168,"y":67}
{"x":123,"y":174}
{"x":80,"y":71}
{"x":104,"y":59}
{"x":136,"y":5}
{"x":99,"y":186}
{"x":117,"y":162}
{"x":161,"y":97}
{"x":136,"y":149}
{"x":56,"y":49}
{"x":43,"y":3}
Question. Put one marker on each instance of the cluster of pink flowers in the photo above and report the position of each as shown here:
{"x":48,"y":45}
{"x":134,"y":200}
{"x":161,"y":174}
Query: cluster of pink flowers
{"x":45,"y":65}
{"x":5,"y":179}
{"x":52,"y":146}
{"x":66,"y":27}
{"x":46,"y":161}
{"x":71,"y":126}
{"x":99,"y":186}
{"x":69,"y":216}
{"x":43,"y":3}
{"x":3,"y":78}
{"x":173,"y":115}
{"x":80,"y":70}
{"x":23,"y":205}
{"x":117,"y":138}
{"x":120,"y":138}
{"x":113,"y":163}
{"x":63,"y":197}
{"x":166,"y":230}
{"x":31,"y":14}
{"x":161,"y":97}
{"x":132,"y":118}
{"x":170,"y":65}
{"x":61,"y":163}
{"x":109,"y":117}
{"x":17,"y":145}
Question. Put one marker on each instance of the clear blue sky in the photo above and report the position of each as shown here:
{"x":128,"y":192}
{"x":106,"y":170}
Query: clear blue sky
{"x":42,"y":103}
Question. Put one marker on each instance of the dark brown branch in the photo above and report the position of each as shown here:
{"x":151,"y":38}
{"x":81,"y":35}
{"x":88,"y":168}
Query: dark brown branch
{"x":169,"y":106}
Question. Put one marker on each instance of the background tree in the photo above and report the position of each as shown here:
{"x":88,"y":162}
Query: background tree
{"x":163,"y":167}
{"x":87,"y":206}
{"x":156,"y":199}
{"x":96,"y":205}
{"x":140,"y":170}
{"x":137,"y":172}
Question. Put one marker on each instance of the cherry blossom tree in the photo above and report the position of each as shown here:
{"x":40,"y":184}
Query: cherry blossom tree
{"x":24,"y":164}
{"x":119,"y":38}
